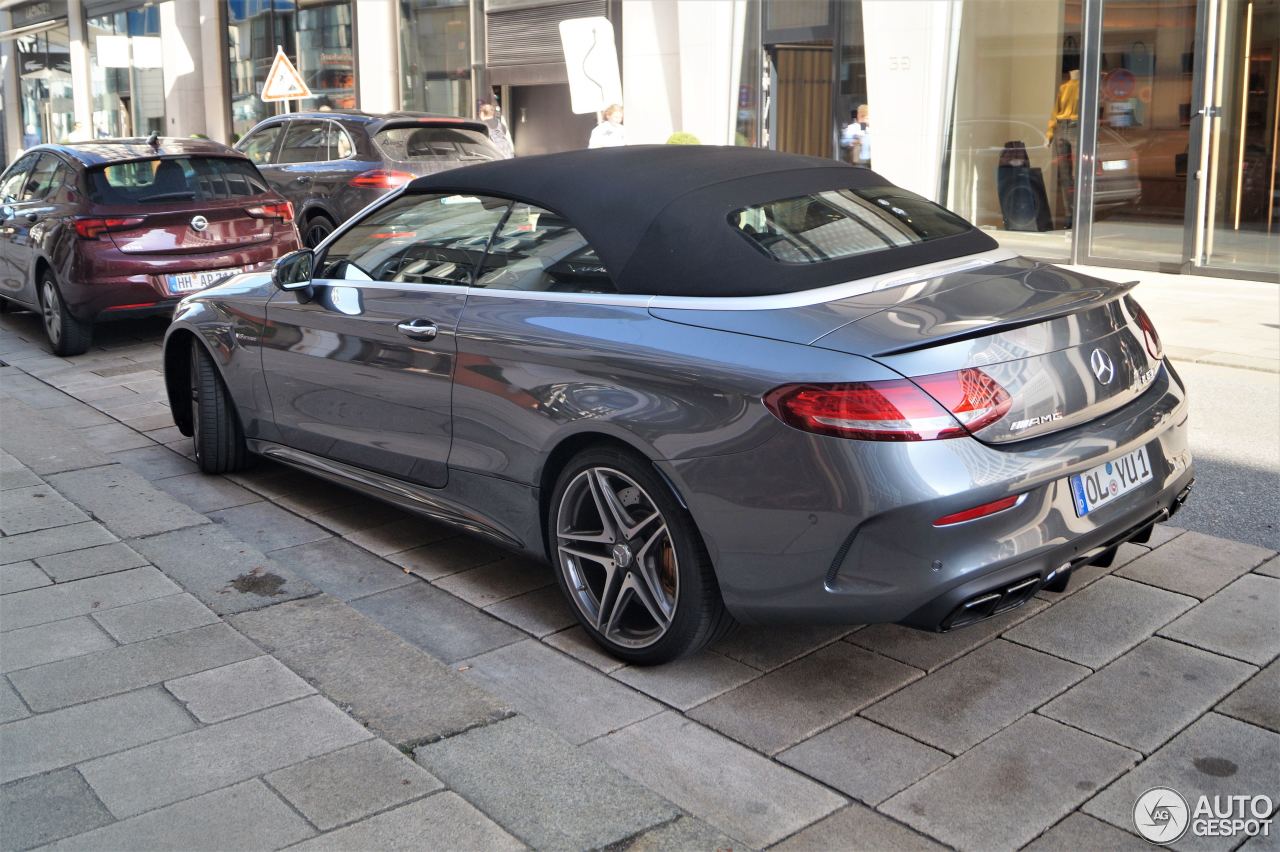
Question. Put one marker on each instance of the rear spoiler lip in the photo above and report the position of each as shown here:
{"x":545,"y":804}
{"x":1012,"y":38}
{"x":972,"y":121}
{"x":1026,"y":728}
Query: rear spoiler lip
{"x":1117,"y":290}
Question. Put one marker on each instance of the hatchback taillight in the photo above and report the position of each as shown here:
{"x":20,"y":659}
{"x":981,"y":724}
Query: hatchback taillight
{"x":1154,"y":346}
{"x":90,"y":228}
{"x":381,"y":179}
{"x":943,"y":405}
{"x":282,"y":210}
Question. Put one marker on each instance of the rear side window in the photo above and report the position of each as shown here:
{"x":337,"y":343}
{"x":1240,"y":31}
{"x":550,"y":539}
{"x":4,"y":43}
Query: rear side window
{"x":538,"y":250}
{"x":306,"y":142}
{"x":840,"y":223}
{"x":175,"y":179}
{"x":410,"y":144}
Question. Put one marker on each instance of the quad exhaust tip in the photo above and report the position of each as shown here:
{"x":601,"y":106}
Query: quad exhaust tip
{"x":993,"y":602}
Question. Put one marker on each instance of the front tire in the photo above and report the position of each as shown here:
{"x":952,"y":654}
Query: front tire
{"x":318,"y":227}
{"x":67,"y":335}
{"x":215,"y":426}
{"x":630,"y":559}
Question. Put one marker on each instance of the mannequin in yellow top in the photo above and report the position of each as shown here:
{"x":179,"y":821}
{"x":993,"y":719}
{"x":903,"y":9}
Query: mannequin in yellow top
{"x":1067,"y":106}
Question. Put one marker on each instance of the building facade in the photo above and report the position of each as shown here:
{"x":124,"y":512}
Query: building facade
{"x":1139,"y":133}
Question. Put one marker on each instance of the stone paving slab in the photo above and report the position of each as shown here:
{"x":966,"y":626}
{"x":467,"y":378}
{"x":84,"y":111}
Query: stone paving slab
{"x":1215,"y":756}
{"x":33,"y":545}
{"x":64,"y":600}
{"x":221,"y":571}
{"x":796,"y":701}
{"x":341,"y":569}
{"x":352,"y":783}
{"x":1037,"y":769}
{"x":1271,"y":568}
{"x":1239,"y":621}
{"x":576,"y":702}
{"x":1128,"y":701}
{"x":771,"y":647}
{"x":55,"y":640}
{"x":1080,"y":832}
{"x":864,"y":760}
{"x":126,"y":667}
{"x":154,"y":618}
{"x":442,"y":625}
{"x":446,"y":818}
{"x":207,"y":759}
{"x":243,"y":816}
{"x":400,"y":693}
{"x":354,"y":514}
{"x":450,"y":556}
{"x":715,"y":779}
{"x":20,"y":576}
{"x":11,"y":706}
{"x":857,"y":827}
{"x":124,"y":502}
{"x":540,"y":612}
{"x":268,"y":527}
{"x":1258,"y":701}
{"x":205,"y":493}
{"x":582,"y":648}
{"x":38,"y":810}
{"x":400,"y":535}
{"x":982,"y":692}
{"x":36,"y":508}
{"x":688,"y":682}
{"x":90,"y":562}
{"x":931,"y":651}
{"x":551,"y":795}
{"x":110,"y":437}
{"x":1195,"y":564}
{"x":497,"y":581}
{"x":52,"y":740}
{"x":155,"y":462}
{"x":44,"y":446}
{"x":685,"y":833}
{"x":218,"y":694}
{"x":1101,"y":622}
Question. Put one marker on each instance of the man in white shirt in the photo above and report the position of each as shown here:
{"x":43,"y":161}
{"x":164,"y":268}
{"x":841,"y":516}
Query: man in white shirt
{"x":609,"y":133}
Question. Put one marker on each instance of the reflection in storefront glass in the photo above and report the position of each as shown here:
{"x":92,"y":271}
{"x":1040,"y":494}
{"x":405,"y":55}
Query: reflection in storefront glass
{"x":749,"y":72}
{"x":435,"y":56}
{"x":44,"y":64}
{"x":126,"y":69}
{"x":1016,"y":129}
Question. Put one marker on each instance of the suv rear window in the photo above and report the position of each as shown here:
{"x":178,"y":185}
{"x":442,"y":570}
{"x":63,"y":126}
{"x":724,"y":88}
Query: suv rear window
{"x":840,"y":223}
{"x":175,"y":179}
{"x":409,"y":144}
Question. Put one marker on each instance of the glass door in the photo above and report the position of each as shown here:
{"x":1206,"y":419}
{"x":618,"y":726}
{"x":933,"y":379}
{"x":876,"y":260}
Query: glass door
{"x":1237,"y":223}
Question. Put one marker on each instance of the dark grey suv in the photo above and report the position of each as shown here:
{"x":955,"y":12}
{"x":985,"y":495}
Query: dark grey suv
{"x":332,"y":165}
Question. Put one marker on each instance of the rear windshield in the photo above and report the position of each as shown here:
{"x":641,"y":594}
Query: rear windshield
{"x":175,"y":179}
{"x":840,"y":223}
{"x":410,"y":144}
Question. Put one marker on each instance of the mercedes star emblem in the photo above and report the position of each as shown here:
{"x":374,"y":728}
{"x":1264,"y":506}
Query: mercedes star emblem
{"x":1102,"y":367}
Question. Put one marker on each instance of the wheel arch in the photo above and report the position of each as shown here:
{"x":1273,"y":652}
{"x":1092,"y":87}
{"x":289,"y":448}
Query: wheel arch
{"x":177,"y":376}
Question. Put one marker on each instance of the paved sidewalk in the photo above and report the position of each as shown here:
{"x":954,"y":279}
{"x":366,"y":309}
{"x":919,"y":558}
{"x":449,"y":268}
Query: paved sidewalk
{"x":243,"y":662}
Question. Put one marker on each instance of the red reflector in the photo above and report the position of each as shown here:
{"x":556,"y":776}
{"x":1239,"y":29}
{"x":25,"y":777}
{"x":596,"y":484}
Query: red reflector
{"x":1154,"y":346}
{"x":89,"y":228}
{"x":381,"y":179}
{"x":282,"y":210}
{"x":980,"y":511}
{"x":132,"y":307}
{"x":943,"y":405}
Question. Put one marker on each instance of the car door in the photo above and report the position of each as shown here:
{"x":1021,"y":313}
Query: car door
{"x":361,"y":370}
{"x":303,"y":159}
{"x":262,"y":146}
{"x":25,"y":227}
{"x":12,"y":185}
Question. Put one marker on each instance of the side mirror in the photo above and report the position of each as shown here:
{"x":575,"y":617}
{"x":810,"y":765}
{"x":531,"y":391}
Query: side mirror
{"x":293,"y":271}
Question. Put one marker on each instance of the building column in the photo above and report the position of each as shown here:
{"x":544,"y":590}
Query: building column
{"x":81,"y":76}
{"x":183,"y":67}
{"x":213,"y":94}
{"x":12,"y":111}
{"x":377,"y":55}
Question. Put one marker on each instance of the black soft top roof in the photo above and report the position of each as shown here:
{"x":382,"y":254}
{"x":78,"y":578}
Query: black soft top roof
{"x":657,"y":215}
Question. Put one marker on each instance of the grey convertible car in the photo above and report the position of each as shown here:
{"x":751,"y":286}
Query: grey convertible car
{"x":711,"y":385}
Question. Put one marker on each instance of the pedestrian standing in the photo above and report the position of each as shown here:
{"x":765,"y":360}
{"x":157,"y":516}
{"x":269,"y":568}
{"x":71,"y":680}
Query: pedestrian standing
{"x":609,"y":133}
{"x":498,"y":133}
{"x":857,"y":138}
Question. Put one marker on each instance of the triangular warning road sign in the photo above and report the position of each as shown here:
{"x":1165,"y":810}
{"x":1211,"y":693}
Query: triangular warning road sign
{"x":284,"y":83}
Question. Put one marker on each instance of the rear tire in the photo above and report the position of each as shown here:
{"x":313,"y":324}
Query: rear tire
{"x":318,"y":227}
{"x":631,"y":561}
{"x":67,"y":335}
{"x":215,"y":426}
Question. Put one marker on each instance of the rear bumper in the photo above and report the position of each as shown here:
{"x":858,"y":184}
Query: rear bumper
{"x":815,"y":529}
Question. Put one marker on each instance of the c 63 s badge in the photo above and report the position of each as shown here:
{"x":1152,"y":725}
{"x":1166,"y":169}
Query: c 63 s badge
{"x":1019,"y":425}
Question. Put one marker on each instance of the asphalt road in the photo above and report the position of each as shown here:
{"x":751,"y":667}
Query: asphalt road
{"x":1235,"y":441}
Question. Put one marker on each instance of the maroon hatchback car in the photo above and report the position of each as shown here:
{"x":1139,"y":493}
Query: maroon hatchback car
{"x":111,"y":229}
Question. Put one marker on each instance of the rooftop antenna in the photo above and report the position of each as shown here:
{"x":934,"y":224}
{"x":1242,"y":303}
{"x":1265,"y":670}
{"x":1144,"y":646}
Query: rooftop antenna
{"x":154,"y":140}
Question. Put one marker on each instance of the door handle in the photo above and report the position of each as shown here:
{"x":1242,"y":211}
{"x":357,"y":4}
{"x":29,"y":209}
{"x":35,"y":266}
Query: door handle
{"x":302,"y":179}
{"x":31,"y":218}
{"x":418,"y":329}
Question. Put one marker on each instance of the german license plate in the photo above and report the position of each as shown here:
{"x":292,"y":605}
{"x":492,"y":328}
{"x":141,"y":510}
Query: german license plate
{"x":1107,"y":482}
{"x":187,"y":282}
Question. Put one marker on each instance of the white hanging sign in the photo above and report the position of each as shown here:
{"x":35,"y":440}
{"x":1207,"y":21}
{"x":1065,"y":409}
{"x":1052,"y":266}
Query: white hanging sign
{"x":284,"y":83}
{"x":591,"y":58}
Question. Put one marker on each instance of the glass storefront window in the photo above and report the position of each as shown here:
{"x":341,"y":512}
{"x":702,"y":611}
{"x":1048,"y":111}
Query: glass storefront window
{"x":750,"y":72}
{"x":126,"y":69}
{"x":435,"y":56}
{"x":1015,"y":133}
{"x":44,"y":64}
{"x":317,"y":37}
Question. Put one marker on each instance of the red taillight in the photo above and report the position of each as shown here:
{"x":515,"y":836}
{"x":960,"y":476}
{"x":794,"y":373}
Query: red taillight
{"x":89,"y":228}
{"x":894,"y":410}
{"x":282,"y":210}
{"x":381,"y":179}
{"x":1154,"y":346}
{"x":980,"y":511}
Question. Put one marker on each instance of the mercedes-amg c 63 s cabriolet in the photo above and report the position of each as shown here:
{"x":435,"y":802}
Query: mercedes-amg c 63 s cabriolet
{"x":710,"y":385}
